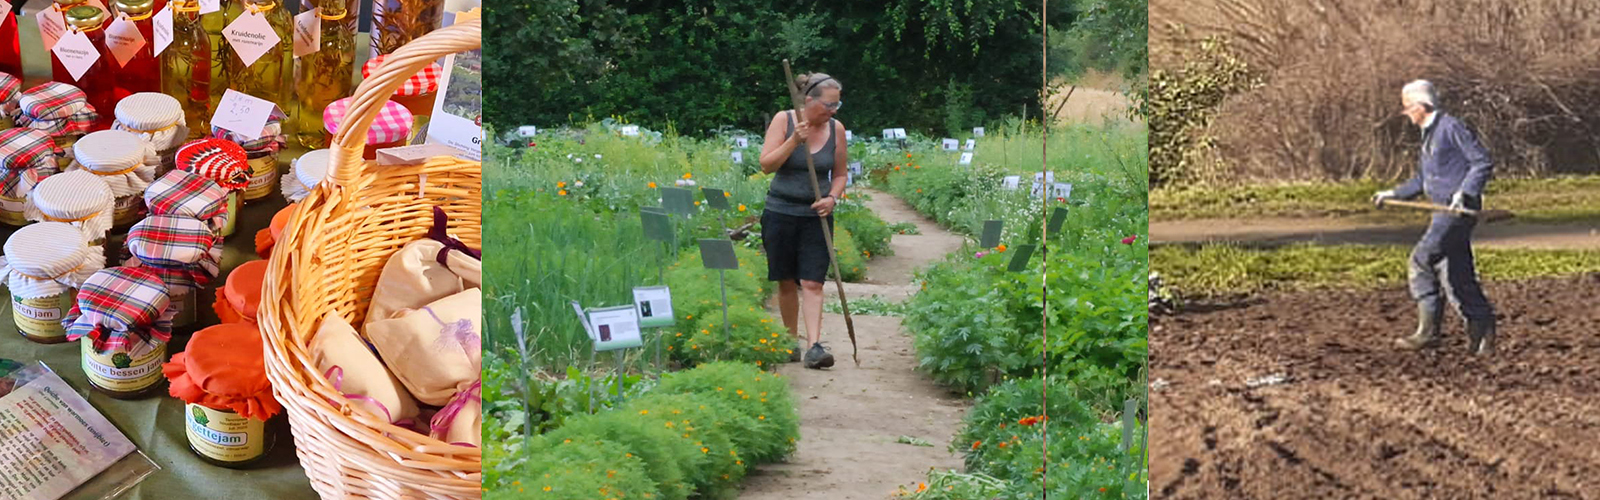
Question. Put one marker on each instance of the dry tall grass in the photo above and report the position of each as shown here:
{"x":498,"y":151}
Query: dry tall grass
{"x":1525,"y":74}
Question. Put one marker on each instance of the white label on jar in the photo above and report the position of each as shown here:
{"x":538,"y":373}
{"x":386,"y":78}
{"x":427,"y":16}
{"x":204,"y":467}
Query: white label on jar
{"x":39,"y":313}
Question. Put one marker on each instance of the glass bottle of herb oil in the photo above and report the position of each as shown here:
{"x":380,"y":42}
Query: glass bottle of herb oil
{"x":324,"y":76}
{"x":191,"y":72}
{"x":398,"y":22}
{"x":142,"y":72}
{"x":267,"y":76}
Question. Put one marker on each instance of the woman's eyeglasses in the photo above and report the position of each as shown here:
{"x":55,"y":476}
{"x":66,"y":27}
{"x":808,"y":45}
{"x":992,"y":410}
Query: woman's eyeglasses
{"x":832,"y":106}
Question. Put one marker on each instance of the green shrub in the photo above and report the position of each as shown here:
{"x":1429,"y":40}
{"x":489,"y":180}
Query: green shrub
{"x":663,"y":451}
{"x":711,"y":427}
{"x":569,"y":469}
{"x":762,"y":396}
{"x":698,"y":336}
{"x":852,"y":261}
{"x":871,"y":234}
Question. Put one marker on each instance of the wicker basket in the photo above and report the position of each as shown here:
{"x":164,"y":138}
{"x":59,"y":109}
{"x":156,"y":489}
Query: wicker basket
{"x":328,"y":261}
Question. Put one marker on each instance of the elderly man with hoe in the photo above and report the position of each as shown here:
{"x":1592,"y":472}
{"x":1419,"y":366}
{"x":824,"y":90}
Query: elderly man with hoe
{"x":1452,"y":169}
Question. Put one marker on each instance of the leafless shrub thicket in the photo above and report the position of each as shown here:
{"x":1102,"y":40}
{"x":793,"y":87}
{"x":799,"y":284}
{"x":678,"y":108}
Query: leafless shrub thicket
{"x":1525,"y":74}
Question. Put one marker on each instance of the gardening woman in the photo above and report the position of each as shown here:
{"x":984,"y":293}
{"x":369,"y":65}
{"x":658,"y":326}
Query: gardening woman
{"x":797,"y":253}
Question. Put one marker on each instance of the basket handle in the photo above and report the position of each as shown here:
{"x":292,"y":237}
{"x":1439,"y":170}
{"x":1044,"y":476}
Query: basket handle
{"x":350,"y":141}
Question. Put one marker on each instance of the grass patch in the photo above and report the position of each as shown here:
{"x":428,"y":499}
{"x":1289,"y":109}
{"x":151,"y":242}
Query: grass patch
{"x":1225,"y":269}
{"x":870,"y":306}
{"x":1548,"y":200}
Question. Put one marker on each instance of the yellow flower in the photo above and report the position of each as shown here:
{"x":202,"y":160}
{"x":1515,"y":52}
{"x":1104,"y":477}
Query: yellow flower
{"x":563,"y":192}
{"x":652,"y":185}
{"x":763,"y":341}
{"x":705,"y":450}
{"x":644,"y":412}
{"x":741,"y":207}
{"x":697,"y":203}
{"x":1000,"y":248}
{"x":547,"y":488}
{"x":561,"y":184}
{"x":761,"y":417}
{"x":687,"y":175}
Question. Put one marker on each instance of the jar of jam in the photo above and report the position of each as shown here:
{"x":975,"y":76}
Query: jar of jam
{"x":267,"y":238}
{"x":237,"y":300}
{"x":174,"y":248}
{"x":229,"y":411}
{"x":309,"y":170}
{"x":43,"y":267}
{"x":416,"y":94}
{"x":189,"y":195}
{"x":261,"y":153}
{"x":158,"y":119}
{"x":78,"y":198}
{"x":121,"y":159}
{"x":10,"y":90}
{"x":118,"y":324}
{"x":26,"y":157}
{"x":58,"y":109}
{"x":391,"y":129}
{"x":222,"y":162}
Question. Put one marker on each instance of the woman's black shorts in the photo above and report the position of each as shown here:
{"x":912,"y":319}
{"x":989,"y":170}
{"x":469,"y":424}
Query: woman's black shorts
{"x":796,"y":249}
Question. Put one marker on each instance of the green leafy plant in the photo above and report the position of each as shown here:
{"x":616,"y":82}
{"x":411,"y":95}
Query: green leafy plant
{"x":761,"y":396}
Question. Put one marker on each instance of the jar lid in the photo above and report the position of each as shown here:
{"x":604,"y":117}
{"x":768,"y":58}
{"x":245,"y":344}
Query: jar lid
{"x":243,"y":287}
{"x":110,"y":152}
{"x":22,"y":148}
{"x":392,"y":125}
{"x":10,"y":87}
{"x":424,"y":82}
{"x":76,"y":197}
{"x":312,"y":168}
{"x":219,"y":160}
{"x":46,"y":250}
{"x":121,"y":307}
{"x":182,"y":250}
{"x":86,"y":17}
{"x":56,"y":108}
{"x":189,"y":195}
{"x":224,"y":367}
{"x":149,"y":112}
{"x":135,"y":8}
{"x":280,"y":220}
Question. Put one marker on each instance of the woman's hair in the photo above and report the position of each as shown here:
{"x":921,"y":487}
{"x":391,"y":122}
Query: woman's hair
{"x":811,"y":84}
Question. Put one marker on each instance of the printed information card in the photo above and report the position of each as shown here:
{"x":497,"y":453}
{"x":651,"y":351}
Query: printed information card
{"x":51,"y":440}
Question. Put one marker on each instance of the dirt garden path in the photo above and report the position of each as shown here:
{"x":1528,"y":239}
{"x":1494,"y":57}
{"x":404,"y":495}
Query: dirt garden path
{"x":850,"y":417}
{"x":1577,"y":235}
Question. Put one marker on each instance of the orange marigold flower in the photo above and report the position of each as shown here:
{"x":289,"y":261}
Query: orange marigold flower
{"x":652,"y":185}
{"x":975,"y":444}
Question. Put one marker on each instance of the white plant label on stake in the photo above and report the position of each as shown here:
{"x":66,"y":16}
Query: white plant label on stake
{"x":855,"y":168}
{"x":242,"y":114}
{"x":888,"y":133}
{"x":527,"y":131}
{"x":162,"y":29}
{"x":209,"y":6}
{"x":899,"y":133}
{"x":124,"y":40}
{"x":971,"y":143}
{"x":251,"y":37}
{"x":977,"y":131}
{"x":1010,"y":182}
{"x":741,"y":142}
{"x":950,"y":144}
{"x":966,"y":158}
{"x":850,"y":178}
{"x":307,"y":32}
{"x":630,"y":130}
{"x":738,"y":157}
{"x":52,"y":26}
{"x":849,"y":136}
{"x":76,"y":53}
{"x":1061,"y":190}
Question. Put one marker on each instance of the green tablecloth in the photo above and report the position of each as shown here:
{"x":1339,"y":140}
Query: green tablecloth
{"x":155,"y":424}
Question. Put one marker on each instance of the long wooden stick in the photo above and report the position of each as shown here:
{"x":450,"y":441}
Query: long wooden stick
{"x":827,"y":232}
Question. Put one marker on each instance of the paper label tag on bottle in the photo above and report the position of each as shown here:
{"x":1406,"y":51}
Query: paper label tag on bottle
{"x":52,"y":25}
{"x":163,"y":29}
{"x":124,"y":40}
{"x":307,"y":32}
{"x":209,"y":6}
{"x":251,"y":37}
{"x":76,"y":53}
{"x":242,"y":114}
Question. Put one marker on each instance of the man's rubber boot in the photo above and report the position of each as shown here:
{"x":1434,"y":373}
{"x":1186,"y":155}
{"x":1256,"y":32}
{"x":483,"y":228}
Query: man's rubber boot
{"x":1427,"y":336}
{"x":818,"y":357}
{"x":1480,"y":335}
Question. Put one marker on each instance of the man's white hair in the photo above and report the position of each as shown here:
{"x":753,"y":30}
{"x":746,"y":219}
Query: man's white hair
{"x":1420,"y":91}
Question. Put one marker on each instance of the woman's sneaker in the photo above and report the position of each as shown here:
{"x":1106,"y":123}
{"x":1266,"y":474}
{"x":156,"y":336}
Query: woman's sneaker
{"x":818,"y":357}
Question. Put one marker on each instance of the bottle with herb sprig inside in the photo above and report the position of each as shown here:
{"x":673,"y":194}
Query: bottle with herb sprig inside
{"x":261,"y":46}
{"x":191,"y":72}
{"x":324,"y":76}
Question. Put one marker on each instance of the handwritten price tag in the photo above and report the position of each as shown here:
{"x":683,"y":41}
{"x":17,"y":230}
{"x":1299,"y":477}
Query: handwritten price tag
{"x":242,"y":114}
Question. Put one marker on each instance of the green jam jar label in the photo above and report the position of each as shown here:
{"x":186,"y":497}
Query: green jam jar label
{"x":40,"y":317}
{"x":124,"y":369}
{"x":263,"y":177}
{"x":11,"y":211}
{"x":224,"y":435}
